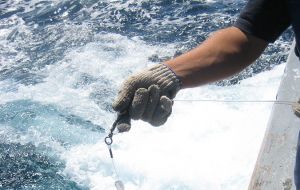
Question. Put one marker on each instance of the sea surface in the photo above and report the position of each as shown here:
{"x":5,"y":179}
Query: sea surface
{"x":61,"y":64}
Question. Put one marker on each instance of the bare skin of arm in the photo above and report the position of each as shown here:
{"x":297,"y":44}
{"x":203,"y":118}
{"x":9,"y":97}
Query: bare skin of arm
{"x":225,"y":53}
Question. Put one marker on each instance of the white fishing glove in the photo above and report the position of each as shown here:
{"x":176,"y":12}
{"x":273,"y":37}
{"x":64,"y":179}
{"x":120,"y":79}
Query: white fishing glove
{"x":148,"y":95}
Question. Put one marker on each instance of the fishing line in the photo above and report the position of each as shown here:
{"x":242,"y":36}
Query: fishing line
{"x":284,"y":102}
{"x":118,"y":183}
{"x":108,"y":141}
{"x":294,"y":104}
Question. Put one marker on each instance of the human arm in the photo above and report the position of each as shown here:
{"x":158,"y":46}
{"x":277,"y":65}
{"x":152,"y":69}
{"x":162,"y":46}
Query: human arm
{"x":225,"y":53}
{"x":148,"y":94}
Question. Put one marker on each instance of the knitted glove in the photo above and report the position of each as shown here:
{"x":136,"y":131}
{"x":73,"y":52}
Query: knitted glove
{"x":148,"y":95}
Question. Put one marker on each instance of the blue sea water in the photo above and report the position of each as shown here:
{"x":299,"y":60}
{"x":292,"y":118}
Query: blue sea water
{"x":61,"y":63}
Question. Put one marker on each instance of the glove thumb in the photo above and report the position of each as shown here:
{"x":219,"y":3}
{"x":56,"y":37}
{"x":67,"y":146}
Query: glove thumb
{"x":123,"y":122}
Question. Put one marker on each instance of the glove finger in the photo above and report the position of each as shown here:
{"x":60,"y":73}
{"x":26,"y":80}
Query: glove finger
{"x":125,"y":95}
{"x":162,"y":111}
{"x":139,"y":103}
{"x":152,"y":102}
{"x":123,"y":124}
{"x":170,"y":88}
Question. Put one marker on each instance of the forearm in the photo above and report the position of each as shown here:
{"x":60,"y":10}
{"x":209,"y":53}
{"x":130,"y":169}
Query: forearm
{"x":225,"y":53}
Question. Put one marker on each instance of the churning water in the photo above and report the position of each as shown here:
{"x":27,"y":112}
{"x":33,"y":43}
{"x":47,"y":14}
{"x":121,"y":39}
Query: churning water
{"x":61,"y":63}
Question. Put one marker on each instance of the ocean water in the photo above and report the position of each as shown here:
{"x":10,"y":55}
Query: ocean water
{"x":61,"y":64}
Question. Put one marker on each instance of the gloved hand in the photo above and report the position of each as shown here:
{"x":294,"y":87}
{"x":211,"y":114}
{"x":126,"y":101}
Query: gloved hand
{"x":148,"y":95}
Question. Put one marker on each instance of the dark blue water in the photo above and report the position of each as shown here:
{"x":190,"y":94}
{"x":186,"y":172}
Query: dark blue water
{"x":24,"y":167}
{"x":37,"y":37}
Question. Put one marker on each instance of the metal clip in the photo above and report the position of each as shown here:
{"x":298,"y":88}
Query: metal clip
{"x":122,"y":123}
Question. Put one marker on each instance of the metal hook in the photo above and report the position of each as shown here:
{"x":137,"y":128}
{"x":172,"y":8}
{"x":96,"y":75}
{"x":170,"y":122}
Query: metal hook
{"x":108,"y":140}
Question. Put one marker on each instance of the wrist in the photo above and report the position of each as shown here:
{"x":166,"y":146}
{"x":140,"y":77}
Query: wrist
{"x":178,"y":78}
{"x":178,"y":71}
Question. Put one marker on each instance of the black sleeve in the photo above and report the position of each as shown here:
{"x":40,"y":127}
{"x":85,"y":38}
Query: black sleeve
{"x":265,"y":19}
